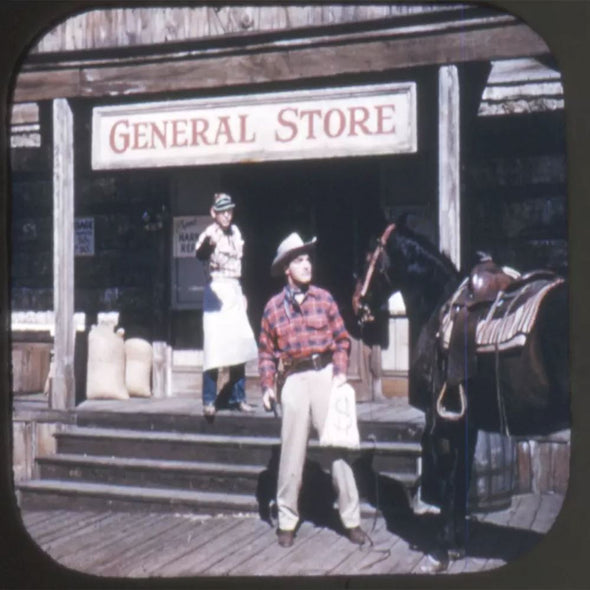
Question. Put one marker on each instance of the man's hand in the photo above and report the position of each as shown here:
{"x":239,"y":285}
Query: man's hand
{"x":269,"y":398}
{"x":212,"y":238}
{"x":339,"y":380}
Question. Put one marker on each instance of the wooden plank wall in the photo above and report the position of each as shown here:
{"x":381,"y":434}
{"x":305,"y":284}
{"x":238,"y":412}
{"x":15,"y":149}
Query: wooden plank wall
{"x":30,"y":366}
{"x":143,"y":26}
{"x":31,"y":438}
{"x":543,"y":465}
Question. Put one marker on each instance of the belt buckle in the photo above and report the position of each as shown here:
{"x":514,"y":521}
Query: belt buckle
{"x":315,"y":361}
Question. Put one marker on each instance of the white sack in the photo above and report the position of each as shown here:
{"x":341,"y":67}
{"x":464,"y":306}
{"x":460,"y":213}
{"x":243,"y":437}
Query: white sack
{"x":341,"y":428}
{"x":105,"y":378}
{"x":138,"y":367}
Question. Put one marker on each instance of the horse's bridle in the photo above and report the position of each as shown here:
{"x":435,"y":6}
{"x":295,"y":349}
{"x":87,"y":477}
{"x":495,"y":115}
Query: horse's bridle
{"x":362,"y":309}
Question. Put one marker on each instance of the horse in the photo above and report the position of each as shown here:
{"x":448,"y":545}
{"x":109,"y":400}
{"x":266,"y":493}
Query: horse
{"x":518,"y":385}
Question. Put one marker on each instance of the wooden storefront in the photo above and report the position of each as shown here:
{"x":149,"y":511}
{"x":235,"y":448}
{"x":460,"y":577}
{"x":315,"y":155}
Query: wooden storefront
{"x":482,"y":165}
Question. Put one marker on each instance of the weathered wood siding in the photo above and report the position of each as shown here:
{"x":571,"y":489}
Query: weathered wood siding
{"x":31,"y":438}
{"x":126,"y":27}
{"x":544,"y":465}
{"x":30,"y":366}
{"x":515,"y":182}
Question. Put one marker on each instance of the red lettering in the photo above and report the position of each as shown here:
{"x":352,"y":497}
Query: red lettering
{"x":178,"y":132}
{"x":243,"y":130}
{"x":159,"y":133}
{"x":139,"y":135}
{"x":310,"y":125}
{"x":341,"y":122}
{"x":282,"y":121}
{"x":359,"y":122}
{"x":199,"y":129}
{"x":119,"y":140}
{"x":381,"y":117}
{"x":223,"y":129}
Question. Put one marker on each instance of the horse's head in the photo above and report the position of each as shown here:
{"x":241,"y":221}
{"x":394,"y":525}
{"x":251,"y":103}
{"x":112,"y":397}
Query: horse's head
{"x":375,"y":285}
{"x":404,"y":261}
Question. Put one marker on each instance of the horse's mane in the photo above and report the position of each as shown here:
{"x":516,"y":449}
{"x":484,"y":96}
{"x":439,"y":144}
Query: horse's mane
{"x":414,"y":243}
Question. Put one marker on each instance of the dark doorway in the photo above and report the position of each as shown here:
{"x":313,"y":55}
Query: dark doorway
{"x":336,"y":200}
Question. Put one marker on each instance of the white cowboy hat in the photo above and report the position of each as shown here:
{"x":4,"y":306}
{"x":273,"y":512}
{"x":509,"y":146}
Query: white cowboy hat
{"x":289,"y":248}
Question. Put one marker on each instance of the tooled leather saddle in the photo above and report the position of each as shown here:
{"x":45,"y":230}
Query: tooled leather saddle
{"x":494,"y":309}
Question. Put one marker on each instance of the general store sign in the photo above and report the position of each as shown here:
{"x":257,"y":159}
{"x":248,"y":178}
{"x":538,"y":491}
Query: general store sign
{"x":327,"y":123}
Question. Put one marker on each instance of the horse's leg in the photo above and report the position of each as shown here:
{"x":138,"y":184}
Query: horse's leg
{"x":463,"y":439}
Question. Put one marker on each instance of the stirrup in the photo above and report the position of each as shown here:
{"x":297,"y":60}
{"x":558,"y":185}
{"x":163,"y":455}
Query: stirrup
{"x":445,"y":414}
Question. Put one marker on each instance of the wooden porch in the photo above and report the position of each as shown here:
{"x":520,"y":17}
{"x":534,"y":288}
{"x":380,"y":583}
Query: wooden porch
{"x":144,"y":545}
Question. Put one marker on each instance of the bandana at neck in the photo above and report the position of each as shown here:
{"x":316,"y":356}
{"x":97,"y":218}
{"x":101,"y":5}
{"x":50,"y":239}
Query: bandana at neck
{"x":294,"y":295}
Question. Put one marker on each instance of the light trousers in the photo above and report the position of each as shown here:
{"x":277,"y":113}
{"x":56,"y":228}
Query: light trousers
{"x":304,"y":400}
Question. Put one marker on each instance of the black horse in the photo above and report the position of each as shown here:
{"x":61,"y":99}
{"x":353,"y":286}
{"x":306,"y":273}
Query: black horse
{"x":523,"y":390}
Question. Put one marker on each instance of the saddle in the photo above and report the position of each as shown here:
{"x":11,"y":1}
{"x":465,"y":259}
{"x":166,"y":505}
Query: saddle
{"x":494,"y":309}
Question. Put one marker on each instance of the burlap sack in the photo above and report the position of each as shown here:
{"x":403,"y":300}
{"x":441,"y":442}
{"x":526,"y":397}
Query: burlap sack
{"x":105,"y":377}
{"x":138,"y":367}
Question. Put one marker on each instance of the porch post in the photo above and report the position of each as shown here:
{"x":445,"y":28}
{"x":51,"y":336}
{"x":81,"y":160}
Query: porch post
{"x":449,"y":161}
{"x":63,"y":384}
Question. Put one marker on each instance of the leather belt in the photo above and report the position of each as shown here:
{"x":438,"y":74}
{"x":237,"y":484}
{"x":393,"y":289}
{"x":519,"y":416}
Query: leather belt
{"x":315,"y":362}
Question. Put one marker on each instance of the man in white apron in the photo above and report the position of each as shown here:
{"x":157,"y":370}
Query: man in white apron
{"x":228,"y":337}
{"x":303,"y":330}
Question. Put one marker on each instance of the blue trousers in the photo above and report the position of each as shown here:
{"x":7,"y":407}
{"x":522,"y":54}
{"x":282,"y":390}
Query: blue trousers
{"x":232,"y":393}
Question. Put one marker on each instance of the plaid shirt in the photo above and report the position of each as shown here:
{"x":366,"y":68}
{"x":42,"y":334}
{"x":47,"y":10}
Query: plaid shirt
{"x":298,"y":331}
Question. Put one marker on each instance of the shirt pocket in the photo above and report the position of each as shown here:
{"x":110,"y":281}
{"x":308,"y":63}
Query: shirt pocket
{"x":318,"y":324}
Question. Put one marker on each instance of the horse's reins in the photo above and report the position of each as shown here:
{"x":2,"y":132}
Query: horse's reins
{"x":373,"y":261}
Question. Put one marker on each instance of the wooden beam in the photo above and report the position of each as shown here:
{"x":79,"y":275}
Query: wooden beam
{"x":280,"y":63}
{"x":449,"y":164}
{"x":24,"y":113}
{"x":63,"y":386}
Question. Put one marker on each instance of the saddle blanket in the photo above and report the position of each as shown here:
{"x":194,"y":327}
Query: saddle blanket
{"x":506,"y":322}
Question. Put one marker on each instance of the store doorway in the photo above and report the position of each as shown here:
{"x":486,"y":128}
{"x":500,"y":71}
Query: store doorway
{"x":336,"y":200}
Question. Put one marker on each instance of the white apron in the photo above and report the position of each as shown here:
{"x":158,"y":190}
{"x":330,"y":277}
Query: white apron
{"x":228,"y":337}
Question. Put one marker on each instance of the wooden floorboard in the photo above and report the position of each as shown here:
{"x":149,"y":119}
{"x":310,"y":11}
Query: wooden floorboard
{"x":33,"y":518}
{"x":140,"y":545}
{"x":198,"y":558}
{"x":91,"y":536}
{"x":270,"y":560}
{"x":318,"y":552}
{"x":83,"y":551}
{"x":60,"y":527}
{"x":548,"y":511}
{"x":301,"y":555}
{"x":148,"y":546}
{"x":212,"y":552}
{"x":188,"y":536}
{"x":262,"y":535}
{"x":186,"y":547}
{"x":54,"y":524}
{"x":130,"y":543}
{"x":388,"y":410}
{"x":379,"y":550}
{"x":156,"y":552}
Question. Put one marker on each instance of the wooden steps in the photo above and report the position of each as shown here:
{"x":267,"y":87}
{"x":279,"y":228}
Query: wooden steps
{"x":181,"y":462}
{"x":88,"y":496}
{"x":154,"y":473}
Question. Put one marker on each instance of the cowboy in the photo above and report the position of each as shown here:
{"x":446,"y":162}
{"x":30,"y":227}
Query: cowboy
{"x":302,"y":329}
{"x":227,"y":334}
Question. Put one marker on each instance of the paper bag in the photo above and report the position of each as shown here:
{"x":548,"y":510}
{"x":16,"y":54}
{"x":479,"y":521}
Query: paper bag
{"x":341,"y":428}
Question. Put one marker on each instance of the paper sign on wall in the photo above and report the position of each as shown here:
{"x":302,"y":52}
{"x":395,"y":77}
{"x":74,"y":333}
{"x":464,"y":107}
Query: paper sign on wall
{"x":184,"y":234}
{"x":84,"y":236}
